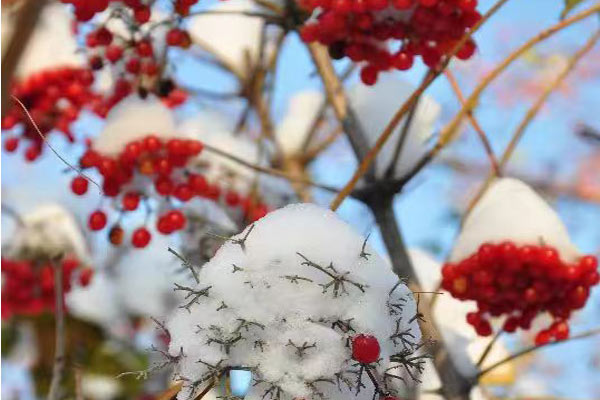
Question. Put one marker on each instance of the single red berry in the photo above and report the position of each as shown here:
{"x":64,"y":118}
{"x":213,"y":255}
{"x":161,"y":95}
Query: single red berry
{"x":11,"y":144}
{"x":403,"y":61}
{"x":144,"y":48}
{"x":32,"y":153}
{"x":365,"y":348}
{"x":174,"y":37}
{"x":176,"y":219}
{"x":115,"y":235}
{"x":164,"y":226}
{"x":131,"y":201}
{"x":79,"y":185}
{"x":113,"y":53}
{"x":97,"y":220}
{"x":85,"y":276}
{"x":142,"y":14}
{"x":141,"y":237}
{"x":369,"y":75}
{"x":133,"y":65}
{"x":163,"y":186}
{"x":543,"y":337}
{"x":232,"y":199}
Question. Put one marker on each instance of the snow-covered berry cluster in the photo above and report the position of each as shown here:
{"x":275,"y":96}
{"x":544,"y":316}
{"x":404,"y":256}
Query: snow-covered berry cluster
{"x":302,"y":302}
{"x":28,"y":287}
{"x":388,"y":34}
{"x":515,"y":259}
{"x":520,"y":282}
{"x":54,"y":99}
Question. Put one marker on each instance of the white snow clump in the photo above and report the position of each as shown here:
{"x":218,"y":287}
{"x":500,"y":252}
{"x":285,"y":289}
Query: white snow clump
{"x":261,"y":297}
{"x":291,"y":132}
{"x":511,"y":210}
{"x":376,"y":105}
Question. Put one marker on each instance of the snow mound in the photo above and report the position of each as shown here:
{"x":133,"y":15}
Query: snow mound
{"x":52,"y":44}
{"x":293,"y":128}
{"x":234,"y":38}
{"x":49,"y":230}
{"x":132,"y":119}
{"x":271,"y":289}
{"x":376,"y":105}
{"x":511,"y":210}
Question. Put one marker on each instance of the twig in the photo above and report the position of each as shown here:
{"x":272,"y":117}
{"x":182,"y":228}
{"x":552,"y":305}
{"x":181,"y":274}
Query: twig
{"x":474,"y":123}
{"x":78,"y":170}
{"x":59,"y":332}
{"x":534,"y":348}
{"x":185,"y":263}
{"x":267,"y":170}
{"x":488,"y":348}
{"x":532,"y":112}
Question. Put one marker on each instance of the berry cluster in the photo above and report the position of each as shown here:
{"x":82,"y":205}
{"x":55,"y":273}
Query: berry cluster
{"x":54,"y":99}
{"x":28,"y":288}
{"x":86,"y":9}
{"x":362,"y":29}
{"x":135,"y":59}
{"x":163,"y":166}
{"x":521,"y":282}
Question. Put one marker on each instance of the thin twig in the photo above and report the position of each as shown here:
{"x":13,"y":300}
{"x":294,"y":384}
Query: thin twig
{"x":474,"y":123}
{"x":488,"y":348}
{"x":528,"y":350}
{"x":74,"y":168}
{"x":267,"y":170}
{"x":59,"y":332}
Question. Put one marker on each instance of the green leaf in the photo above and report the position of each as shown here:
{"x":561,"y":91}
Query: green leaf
{"x":569,"y":5}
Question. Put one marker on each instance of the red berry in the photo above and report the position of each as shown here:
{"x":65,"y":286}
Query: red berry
{"x":97,"y":220}
{"x":141,"y":237}
{"x":176,"y":219}
{"x":115,"y":235}
{"x":174,"y":37}
{"x":232,"y":199}
{"x":163,"y":186}
{"x":369,"y":75}
{"x":131,"y":201}
{"x":144,"y":48}
{"x":11,"y":144}
{"x":365,"y":348}
{"x":32,"y":153}
{"x":403,"y":61}
{"x":113,"y":53}
{"x":542,"y":338}
{"x":142,"y":14}
{"x":79,"y":185}
{"x":133,"y":65}
{"x":85,"y":276}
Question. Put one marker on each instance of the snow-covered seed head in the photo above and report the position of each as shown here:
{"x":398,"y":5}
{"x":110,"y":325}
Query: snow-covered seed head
{"x":284,"y":299}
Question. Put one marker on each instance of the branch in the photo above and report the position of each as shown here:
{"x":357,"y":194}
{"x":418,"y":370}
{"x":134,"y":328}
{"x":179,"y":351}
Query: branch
{"x":24,"y":27}
{"x":532,"y":112}
{"x":59,"y":347}
{"x":474,"y":123}
{"x":528,"y":350}
{"x":454,"y":385}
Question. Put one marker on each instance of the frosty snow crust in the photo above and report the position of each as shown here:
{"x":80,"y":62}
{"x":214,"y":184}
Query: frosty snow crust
{"x":268,"y":301}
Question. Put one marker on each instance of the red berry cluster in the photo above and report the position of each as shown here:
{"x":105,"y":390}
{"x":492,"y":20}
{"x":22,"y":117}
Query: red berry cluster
{"x":521,"y":282}
{"x":86,"y":9}
{"x":54,"y":99}
{"x":365,"y":348}
{"x":361,"y":29}
{"x":28,"y":288}
{"x":161,"y":165}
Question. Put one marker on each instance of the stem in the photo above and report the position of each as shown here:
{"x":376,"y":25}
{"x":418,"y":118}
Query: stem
{"x":474,"y":123}
{"x":454,"y":385}
{"x":488,"y":348}
{"x":534,"y":348}
{"x":532,"y":112}
{"x":59,"y":347}
{"x":391,"y":127}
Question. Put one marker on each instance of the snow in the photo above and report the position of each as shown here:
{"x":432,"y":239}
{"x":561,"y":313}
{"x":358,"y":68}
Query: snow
{"x":52,"y":43}
{"x":511,"y":210}
{"x":376,"y":105}
{"x":260,"y":304}
{"x":48,"y":230}
{"x":100,"y":387}
{"x":97,"y":303}
{"x":234,"y":38}
{"x":293,"y":129}
{"x":132,"y":119}
{"x":212,"y":129}
{"x":463,"y":343}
